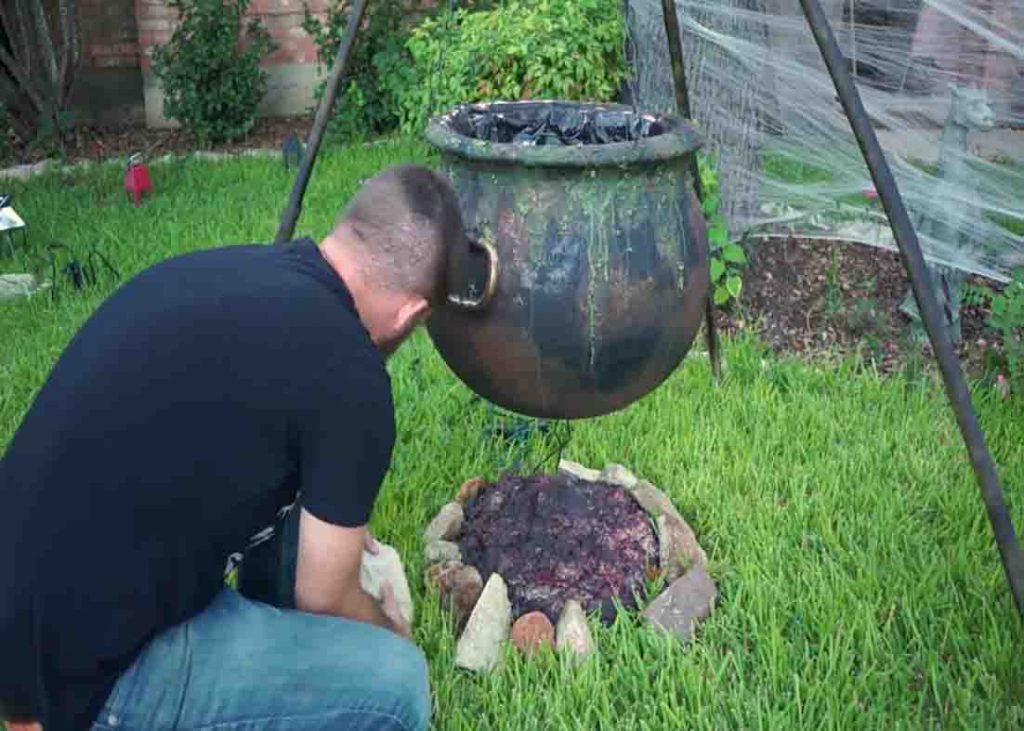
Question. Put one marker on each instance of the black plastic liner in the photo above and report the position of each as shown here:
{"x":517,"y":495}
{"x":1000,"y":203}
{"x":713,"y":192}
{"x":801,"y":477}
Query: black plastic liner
{"x":554,"y":124}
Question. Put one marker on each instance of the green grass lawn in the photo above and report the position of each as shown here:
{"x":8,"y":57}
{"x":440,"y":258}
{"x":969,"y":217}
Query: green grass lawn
{"x":859,"y":583}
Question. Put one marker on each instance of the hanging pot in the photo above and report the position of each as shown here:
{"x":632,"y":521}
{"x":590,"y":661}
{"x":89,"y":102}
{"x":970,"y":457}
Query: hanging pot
{"x":585,"y":285}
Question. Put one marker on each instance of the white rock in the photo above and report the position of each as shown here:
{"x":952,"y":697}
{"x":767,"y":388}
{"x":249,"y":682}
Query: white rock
{"x":619,"y":475}
{"x":572,"y":633}
{"x":386,"y":566}
{"x":480,"y":647}
{"x":438,"y":551}
{"x":446,"y":524}
{"x":579,"y":471}
{"x":17,"y":285}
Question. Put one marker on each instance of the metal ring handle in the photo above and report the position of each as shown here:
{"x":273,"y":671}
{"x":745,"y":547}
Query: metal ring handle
{"x":479,"y":303}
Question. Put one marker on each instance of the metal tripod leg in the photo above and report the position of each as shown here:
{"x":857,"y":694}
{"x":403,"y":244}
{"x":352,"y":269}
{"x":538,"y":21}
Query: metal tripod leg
{"x":675,"y":51}
{"x":291,"y":214}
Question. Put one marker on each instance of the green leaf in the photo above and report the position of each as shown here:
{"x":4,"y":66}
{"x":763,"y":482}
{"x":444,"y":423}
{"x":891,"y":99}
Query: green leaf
{"x":717,"y":269}
{"x":721,"y":295}
{"x":734,"y":284}
{"x":710,"y":205}
{"x":718,"y":236}
{"x":734,"y":253}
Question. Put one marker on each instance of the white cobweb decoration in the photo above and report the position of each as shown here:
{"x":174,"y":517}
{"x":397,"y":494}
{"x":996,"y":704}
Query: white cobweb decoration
{"x":943,"y":81}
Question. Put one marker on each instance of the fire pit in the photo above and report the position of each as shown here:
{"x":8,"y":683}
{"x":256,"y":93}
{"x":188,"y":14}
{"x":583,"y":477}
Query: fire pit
{"x":528,"y":558}
{"x":558,"y":538}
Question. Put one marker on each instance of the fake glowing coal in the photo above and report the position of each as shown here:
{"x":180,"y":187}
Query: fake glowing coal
{"x":554,"y":538}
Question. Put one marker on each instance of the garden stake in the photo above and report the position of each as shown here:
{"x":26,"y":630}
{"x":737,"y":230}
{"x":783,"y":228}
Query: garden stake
{"x":914,"y":264}
{"x":291,"y":152}
{"x":675,"y":52}
{"x":323,"y":113}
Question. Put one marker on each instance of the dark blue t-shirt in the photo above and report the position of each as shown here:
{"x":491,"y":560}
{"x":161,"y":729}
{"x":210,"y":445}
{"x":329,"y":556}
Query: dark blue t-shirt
{"x":192,"y":406}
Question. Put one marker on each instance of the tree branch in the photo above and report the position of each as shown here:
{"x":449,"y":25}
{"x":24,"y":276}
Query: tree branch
{"x":26,"y":42}
{"x":70,"y":41}
{"x":24,"y":83}
{"x":45,"y":41}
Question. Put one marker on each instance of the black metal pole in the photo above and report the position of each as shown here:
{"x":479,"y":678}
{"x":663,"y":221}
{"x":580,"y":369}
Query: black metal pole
{"x":914,"y":263}
{"x":291,"y":214}
{"x":675,"y":52}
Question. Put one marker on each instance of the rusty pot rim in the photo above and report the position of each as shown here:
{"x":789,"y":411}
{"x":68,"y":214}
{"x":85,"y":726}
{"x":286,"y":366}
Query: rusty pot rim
{"x":679,"y":139}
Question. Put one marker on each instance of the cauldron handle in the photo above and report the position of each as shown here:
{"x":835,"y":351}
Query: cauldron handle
{"x":461,"y":269}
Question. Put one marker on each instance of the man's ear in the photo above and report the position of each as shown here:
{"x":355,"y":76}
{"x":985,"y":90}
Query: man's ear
{"x":411,"y":314}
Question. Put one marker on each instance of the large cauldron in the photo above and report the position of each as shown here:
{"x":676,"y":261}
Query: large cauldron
{"x":587,"y":284}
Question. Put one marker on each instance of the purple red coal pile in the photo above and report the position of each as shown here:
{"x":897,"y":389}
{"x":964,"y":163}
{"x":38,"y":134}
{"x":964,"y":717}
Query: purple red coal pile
{"x":553,"y":538}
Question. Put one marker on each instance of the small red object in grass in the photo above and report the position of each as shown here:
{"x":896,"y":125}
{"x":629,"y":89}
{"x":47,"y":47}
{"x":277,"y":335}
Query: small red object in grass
{"x":870,"y":193}
{"x":136,"y":180}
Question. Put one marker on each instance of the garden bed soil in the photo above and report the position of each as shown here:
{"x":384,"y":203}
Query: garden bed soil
{"x":817,"y":298}
{"x":93,"y":142}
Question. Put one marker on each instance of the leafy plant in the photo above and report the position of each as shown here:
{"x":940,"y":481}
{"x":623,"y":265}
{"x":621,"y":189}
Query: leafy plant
{"x":364,"y":105}
{"x":52,"y":132}
{"x":1006,"y":316}
{"x":210,"y":69}
{"x":833,"y":288}
{"x":524,"y":49}
{"x":726,"y":257}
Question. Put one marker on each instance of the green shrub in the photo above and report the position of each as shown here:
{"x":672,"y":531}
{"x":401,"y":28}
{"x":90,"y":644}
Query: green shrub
{"x":524,"y":49}
{"x":210,"y":69}
{"x":363,"y":106}
{"x":1006,"y":316}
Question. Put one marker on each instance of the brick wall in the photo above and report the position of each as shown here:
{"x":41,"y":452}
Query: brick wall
{"x":118,"y":37}
{"x":291,"y":68}
{"x":282,"y":19}
{"x":111,"y":36}
{"x":109,"y":84}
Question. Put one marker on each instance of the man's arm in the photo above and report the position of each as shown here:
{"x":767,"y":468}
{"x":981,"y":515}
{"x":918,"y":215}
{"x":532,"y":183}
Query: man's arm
{"x":327,"y":576}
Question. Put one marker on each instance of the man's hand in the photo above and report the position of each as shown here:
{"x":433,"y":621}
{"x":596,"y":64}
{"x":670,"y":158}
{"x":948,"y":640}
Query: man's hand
{"x":371,"y":544}
{"x":327,"y":575}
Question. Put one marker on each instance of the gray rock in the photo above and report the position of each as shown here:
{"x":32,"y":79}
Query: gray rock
{"x":572,"y":633}
{"x":446,"y":524}
{"x":386,"y":566}
{"x":619,"y":475}
{"x":686,"y":601}
{"x":438,"y":551}
{"x":678,"y":547}
{"x":653,"y":500}
{"x":578,"y":471}
{"x":480,"y":647}
{"x":676,"y":538}
{"x":17,"y":285}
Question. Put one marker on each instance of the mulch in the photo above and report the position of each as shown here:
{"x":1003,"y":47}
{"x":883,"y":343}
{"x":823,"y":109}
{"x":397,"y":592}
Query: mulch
{"x":824,"y":299}
{"x":95,"y":142}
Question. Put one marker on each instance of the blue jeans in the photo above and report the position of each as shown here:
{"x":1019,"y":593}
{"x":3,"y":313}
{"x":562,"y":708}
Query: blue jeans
{"x":246,"y":664}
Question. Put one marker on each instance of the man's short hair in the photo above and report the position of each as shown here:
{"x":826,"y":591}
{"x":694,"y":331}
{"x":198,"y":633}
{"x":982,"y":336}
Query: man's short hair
{"x":404,"y":219}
